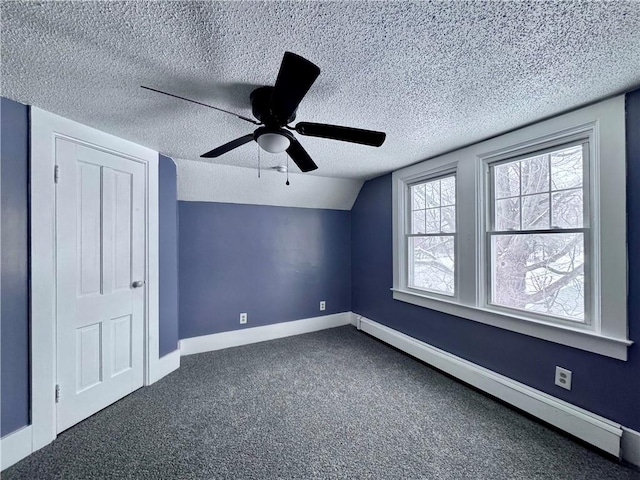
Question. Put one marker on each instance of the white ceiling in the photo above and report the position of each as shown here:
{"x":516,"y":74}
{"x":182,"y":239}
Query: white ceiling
{"x":433,"y":75}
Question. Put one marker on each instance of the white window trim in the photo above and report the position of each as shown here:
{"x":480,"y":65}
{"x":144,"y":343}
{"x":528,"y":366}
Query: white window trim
{"x":604,"y":125}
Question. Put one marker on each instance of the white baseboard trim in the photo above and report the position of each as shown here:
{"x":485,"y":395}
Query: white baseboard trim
{"x":236,"y":338}
{"x":164,"y":366}
{"x":631,"y":446}
{"x":15,"y":446}
{"x":593,"y":429}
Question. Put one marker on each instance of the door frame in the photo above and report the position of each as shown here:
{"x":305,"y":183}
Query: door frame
{"x":45,"y":129}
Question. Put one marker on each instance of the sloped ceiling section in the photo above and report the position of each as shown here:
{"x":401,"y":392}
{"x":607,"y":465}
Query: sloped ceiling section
{"x":206,"y":182}
{"x":433,"y":75}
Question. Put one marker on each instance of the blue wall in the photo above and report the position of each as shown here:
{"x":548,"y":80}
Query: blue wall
{"x":168,"y":248}
{"x":602,"y":385}
{"x":14,"y":212}
{"x":275,"y":263}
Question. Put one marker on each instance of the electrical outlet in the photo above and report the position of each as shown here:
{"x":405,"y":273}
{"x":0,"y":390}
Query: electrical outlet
{"x":323,"y":305}
{"x":563,"y":377}
{"x":243,"y":318}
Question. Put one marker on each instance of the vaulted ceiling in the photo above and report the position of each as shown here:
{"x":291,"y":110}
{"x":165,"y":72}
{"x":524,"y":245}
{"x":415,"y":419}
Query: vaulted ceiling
{"x":433,"y":75}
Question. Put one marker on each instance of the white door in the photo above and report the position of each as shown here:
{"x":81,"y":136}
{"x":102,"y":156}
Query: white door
{"x":100,"y":244}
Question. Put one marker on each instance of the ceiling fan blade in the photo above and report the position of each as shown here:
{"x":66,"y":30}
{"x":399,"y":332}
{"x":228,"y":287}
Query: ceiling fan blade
{"x":300,"y":156}
{"x":227,"y":147}
{"x":294,"y":80}
{"x":203,"y":104}
{"x":345,"y":134}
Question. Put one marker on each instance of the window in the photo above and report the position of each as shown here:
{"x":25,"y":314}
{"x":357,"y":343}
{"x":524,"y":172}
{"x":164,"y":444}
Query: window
{"x":525,"y":231}
{"x":431,"y":238}
{"x":538,"y":233}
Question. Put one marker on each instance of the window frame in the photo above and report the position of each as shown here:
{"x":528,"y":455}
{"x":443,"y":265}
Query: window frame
{"x":441,"y":174}
{"x":586,"y":229}
{"x":603,"y":126}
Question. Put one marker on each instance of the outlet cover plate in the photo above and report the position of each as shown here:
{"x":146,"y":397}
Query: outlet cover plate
{"x":563,"y":378}
{"x":323,"y":305}
{"x":243,"y":318}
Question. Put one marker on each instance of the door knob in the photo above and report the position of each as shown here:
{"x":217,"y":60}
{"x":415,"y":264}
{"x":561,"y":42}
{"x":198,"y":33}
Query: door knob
{"x":138,"y":284}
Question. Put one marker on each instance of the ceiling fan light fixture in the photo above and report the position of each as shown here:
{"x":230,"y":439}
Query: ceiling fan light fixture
{"x":273,"y":142}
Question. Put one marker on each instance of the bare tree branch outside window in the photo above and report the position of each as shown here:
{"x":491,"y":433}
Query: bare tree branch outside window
{"x":539,"y":267}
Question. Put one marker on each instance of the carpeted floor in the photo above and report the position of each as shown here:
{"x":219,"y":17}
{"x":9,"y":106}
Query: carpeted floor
{"x":330,"y":404}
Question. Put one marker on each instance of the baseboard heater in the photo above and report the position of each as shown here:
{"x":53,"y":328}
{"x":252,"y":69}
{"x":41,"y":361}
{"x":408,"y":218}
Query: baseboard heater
{"x":593,"y":429}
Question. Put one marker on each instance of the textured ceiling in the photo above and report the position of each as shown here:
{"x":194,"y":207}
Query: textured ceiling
{"x":433,"y":75}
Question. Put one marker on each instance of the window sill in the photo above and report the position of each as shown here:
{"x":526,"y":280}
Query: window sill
{"x":564,"y":335}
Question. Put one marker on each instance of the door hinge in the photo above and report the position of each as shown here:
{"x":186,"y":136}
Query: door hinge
{"x":57,"y":393}
{"x":55,"y":174}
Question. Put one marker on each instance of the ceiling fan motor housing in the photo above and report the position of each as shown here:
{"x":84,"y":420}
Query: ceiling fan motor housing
{"x":261,"y":108}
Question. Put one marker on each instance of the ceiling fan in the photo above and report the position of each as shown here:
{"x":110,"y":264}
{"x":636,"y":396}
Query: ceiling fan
{"x":275,"y":108}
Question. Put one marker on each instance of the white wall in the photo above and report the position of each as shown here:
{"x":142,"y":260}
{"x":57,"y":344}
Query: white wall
{"x":208,"y":182}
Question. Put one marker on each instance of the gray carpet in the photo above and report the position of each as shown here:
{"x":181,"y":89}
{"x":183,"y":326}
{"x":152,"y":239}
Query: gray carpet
{"x":330,"y":404}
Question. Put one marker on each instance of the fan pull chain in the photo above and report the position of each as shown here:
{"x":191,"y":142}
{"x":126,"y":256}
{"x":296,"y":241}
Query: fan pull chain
{"x":258,"y":161}
{"x":287,"y":184}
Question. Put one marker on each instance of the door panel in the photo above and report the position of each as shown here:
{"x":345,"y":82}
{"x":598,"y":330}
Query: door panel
{"x":121,"y":198}
{"x":89,"y":356}
{"x":100,"y":204}
{"x":121,"y":353}
{"x":88,"y":232}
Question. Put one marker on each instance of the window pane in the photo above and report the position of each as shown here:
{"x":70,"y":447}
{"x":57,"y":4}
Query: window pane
{"x":508,"y":214}
{"x":432,"y":263}
{"x":566,"y":168}
{"x":535,"y":211}
{"x":568,"y":209}
{"x":432,"y":190}
{"x":448,"y":189}
{"x":417,"y":222}
{"x":448,"y":218}
{"x":507,"y":179}
{"x":541,"y":273}
{"x":432,"y":224}
{"x":417,"y":197}
{"x":535,"y":174}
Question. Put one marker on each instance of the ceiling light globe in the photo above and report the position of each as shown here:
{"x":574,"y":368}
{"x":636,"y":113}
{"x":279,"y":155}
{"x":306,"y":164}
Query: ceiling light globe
{"x":273,"y":142}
